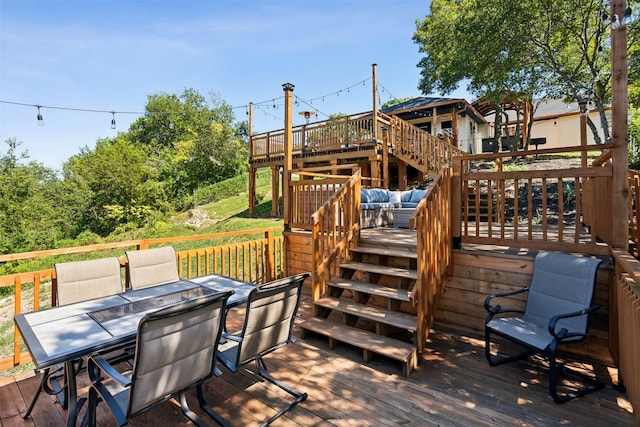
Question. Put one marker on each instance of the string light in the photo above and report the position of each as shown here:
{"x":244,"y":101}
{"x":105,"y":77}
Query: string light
{"x":271,"y":102}
{"x":40,"y":119}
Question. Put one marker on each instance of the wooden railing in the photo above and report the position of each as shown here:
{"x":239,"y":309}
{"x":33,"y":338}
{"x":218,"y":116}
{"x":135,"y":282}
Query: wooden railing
{"x":425,"y":152}
{"x":256,"y":260}
{"x":625,"y":329}
{"x":538,"y":209}
{"x":394,"y":136}
{"x":433,"y":230}
{"x":335,"y":230}
{"x":308,"y":192}
{"x":634,"y":205}
{"x":351,"y":130}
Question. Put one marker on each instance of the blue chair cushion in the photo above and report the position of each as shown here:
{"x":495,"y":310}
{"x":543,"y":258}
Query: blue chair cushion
{"x":374,"y":195}
{"x":405,"y":196}
{"x":417,"y":195}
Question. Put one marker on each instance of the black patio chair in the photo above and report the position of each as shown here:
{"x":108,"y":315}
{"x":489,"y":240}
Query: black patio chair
{"x":271,"y":311}
{"x":558,"y":304}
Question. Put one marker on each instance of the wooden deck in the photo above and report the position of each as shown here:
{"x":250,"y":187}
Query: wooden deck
{"x":452,"y":386}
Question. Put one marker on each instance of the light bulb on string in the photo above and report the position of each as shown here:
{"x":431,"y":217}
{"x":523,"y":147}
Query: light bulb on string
{"x":39,"y":117}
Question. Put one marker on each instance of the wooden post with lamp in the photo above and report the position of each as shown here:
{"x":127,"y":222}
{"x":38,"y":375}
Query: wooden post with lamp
{"x":288,"y":155}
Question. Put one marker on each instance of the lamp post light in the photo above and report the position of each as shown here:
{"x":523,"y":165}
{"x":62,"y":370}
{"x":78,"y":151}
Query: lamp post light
{"x":307,"y":114}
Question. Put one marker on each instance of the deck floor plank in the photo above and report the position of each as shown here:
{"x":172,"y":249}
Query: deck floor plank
{"x":452,"y":386}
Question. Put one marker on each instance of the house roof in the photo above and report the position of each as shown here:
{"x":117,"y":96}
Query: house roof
{"x":424,"y":106}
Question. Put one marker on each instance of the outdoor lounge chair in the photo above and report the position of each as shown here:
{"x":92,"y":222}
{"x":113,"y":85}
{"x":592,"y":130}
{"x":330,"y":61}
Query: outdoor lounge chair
{"x":151,"y":267}
{"x":78,"y":281}
{"x":175,"y":352}
{"x":270,"y":313}
{"x":558,"y":304}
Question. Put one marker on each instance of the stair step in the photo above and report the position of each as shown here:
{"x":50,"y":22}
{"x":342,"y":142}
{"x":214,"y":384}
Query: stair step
{"x":400,"y":253}
{"x":375,"y":314}
{"x":371,"y":289}
{"x":367,"y":341}
{"x":380,"y":269}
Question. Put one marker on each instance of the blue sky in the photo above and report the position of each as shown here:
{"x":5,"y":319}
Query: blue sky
{"x":111,"y":54}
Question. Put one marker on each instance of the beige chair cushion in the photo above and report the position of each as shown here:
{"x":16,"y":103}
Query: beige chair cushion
{"x":269,"y":323}
{"x":151,"y":267}
{"x":177,"y":351}
{"x":84,"y":280}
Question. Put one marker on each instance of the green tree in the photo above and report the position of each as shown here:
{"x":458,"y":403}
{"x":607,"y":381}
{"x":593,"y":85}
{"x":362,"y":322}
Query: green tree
{"x":28,"y":218}
{"x":114,"y":184}
{"x":396,"y":101}
{"x":189,"y":143}
{"x":539,"y":48}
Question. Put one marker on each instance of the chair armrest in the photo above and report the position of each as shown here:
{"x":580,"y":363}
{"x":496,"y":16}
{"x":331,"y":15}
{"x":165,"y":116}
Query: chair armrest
{"x":231,"y":337}
{"x":563,"y":333}
{"x":497,"y":308}
{"x":98,"y":364}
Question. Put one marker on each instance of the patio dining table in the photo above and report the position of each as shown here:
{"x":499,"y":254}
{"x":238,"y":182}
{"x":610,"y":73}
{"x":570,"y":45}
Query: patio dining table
{"x":65,"y":334}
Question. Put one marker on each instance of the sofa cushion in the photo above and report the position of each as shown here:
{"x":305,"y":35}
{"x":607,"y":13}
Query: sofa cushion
{"x":374,"y":195}
{"x":417,"y":195}
{"x":409,"y":205}
{"x":395,"y":198}
{"x":405,"y":196}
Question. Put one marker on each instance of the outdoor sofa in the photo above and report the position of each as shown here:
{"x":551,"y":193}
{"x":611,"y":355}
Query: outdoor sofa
{"x":382,"y":207}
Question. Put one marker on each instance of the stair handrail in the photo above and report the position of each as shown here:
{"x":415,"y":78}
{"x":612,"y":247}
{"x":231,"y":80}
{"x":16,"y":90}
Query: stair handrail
{"x":418,"y":148}
{"x":335,"y":229}
{"x":434,"y":250}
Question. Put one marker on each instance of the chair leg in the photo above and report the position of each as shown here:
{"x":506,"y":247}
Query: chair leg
{"x":553,"y":390}
{"x":43,"y":382}
{"x":205,"y":406}
{"x":189,"y":413}
{"x":50,"y":385}
{"x":91,"y":408}
{"x":300,"y":396}
{"x":500,"y":360}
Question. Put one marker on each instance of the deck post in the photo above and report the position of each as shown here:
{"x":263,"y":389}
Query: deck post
{"x":275,"y":189}
{"x":456,"y":205}
{"x":402,"y":175}
{"x":619,"y":131}
{"x":288,"y":148}
{"x":252,"y":192}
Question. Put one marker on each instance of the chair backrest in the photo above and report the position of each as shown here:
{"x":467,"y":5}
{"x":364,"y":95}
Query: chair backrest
{"x":151,"y":267}
{"x":175,"y":349}
{"x":84,"y":280}
{"x":271,"y":310}
{"x":561,"y":283}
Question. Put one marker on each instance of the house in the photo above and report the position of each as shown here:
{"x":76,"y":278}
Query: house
{"x":438,"y":116}
{"x":556,"y":122}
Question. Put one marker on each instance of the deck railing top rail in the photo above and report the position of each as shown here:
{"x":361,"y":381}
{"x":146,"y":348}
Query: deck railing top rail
{"x":349,"y":130}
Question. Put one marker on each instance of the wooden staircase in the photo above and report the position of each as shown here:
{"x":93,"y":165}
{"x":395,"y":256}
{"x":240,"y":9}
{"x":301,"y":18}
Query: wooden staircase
{"x":369,"y":305}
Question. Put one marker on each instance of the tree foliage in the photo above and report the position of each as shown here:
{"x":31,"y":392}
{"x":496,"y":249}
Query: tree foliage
{"x":538,"y":48}
{"x":28,"y":217}
{"x":136,"y":178}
